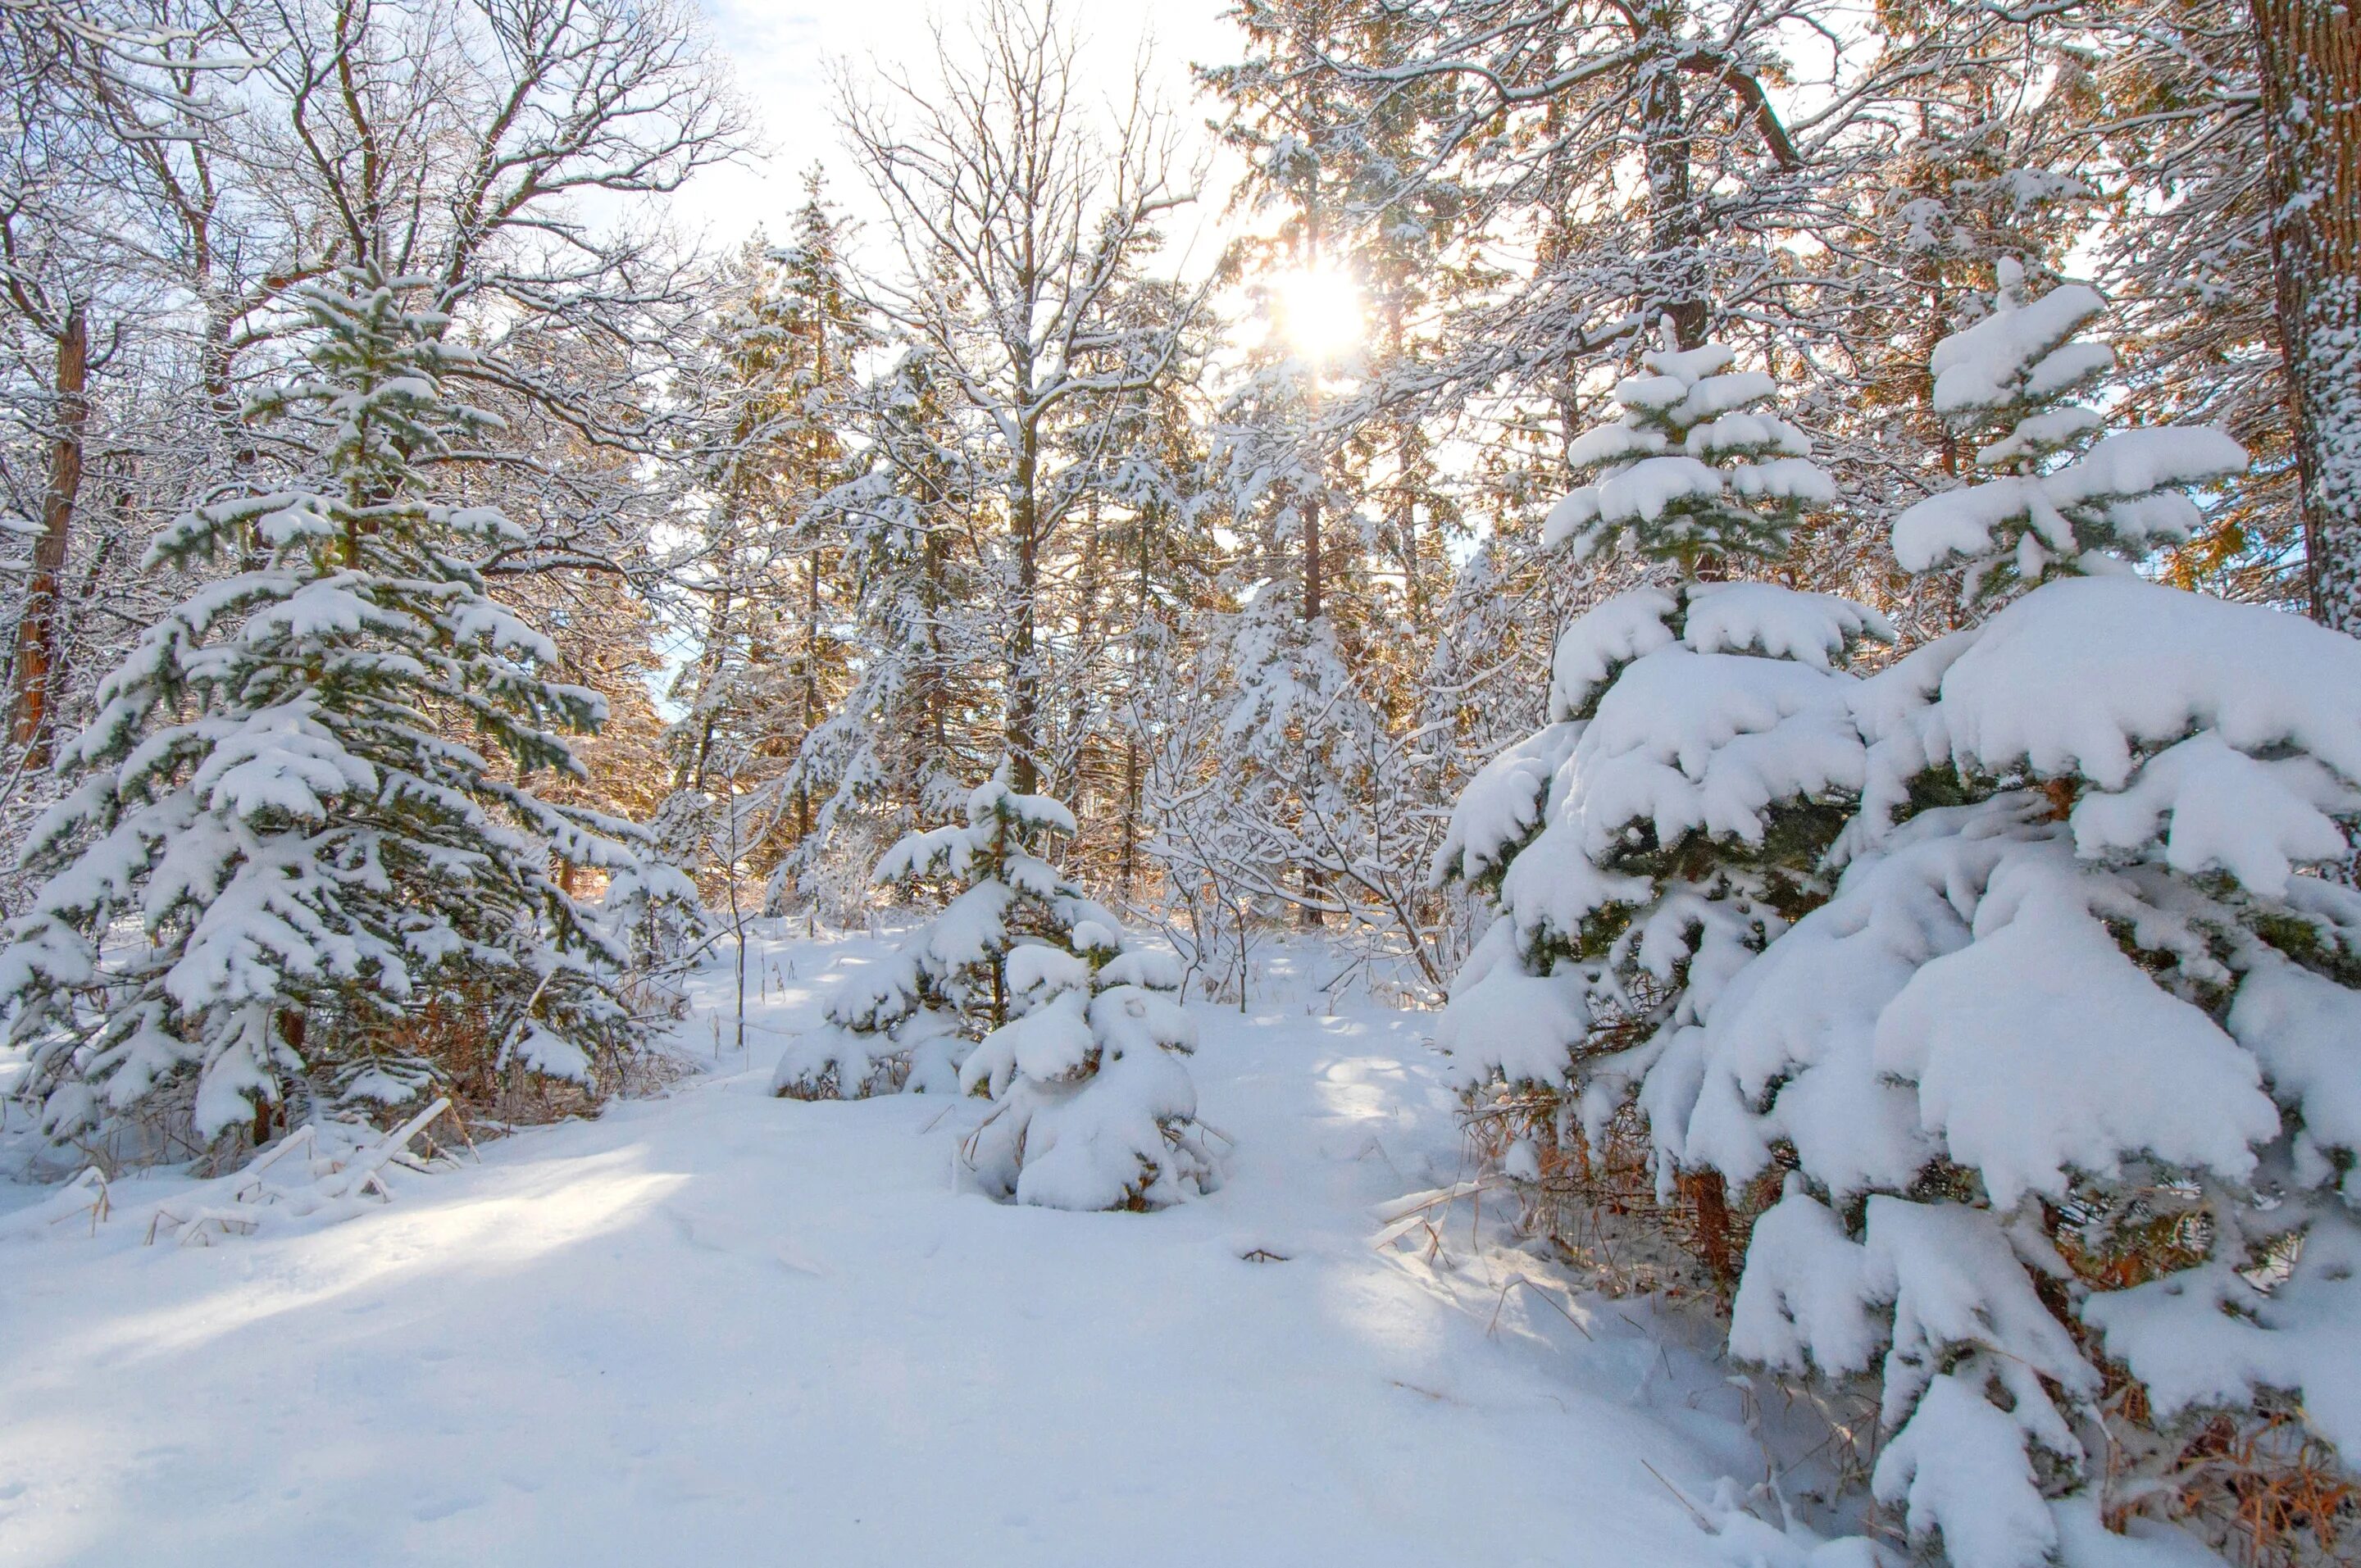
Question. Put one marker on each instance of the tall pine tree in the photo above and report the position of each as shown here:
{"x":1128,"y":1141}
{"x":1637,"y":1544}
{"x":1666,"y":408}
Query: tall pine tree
{"x":283,"y":786}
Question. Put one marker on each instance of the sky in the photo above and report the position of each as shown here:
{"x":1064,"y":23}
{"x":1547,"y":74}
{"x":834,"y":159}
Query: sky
{"x":780,"y":53}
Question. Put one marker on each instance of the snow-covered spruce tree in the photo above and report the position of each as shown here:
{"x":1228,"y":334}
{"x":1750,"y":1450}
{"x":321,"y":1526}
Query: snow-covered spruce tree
{"x":276,"y":791}
{"x":774,"y":379}
{"x":1670,"y":820}
{"x":2062,"y":1078}
{"x":2052,"y":500}
{"x":1092,"y":1107}
{"x":910,"y":1022}
{"x":1080,"y":1033}
{"x":917,"y":721}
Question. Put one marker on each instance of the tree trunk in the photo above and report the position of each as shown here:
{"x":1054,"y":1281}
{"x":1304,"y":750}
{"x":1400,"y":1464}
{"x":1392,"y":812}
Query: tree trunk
{"x":1024,"y":695}
{"x":811,"y":687}
{"x":1128,"y":862}
{"x":1143,"y":564}
{"x":1313,"y":240}
{"x":933,"y":696}
{"x":1070,"y":780}
{"x":817,"y":457}
{"x":1714,"y":1240}
{"x":265,"y":1101}
{"x":1315,"y":884}
{"x":1676,"y":290}
{"x":1312,"y":586}
{"x":36,"y":629}
{"x":717,"y":629}
{"x":2309,"y":52}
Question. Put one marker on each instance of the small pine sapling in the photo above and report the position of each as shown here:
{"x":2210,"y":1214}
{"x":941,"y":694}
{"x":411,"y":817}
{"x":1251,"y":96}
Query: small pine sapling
{"x":908,"y":1022}
{"x":1092,"y":1106}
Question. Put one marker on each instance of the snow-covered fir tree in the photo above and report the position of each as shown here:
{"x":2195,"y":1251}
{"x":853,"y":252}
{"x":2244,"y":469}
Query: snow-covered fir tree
{"x":1092,"y":1106}
{"x":1080,"y":1031}
{"x":909,"y":1023}
{"x":280,"y":791}
{"x":2059,"y":1076}
{"x":1245,"y":810}
{"x":1669,"y":820}
{"x":650,"y":907}
{"x":2053,"y":499}
{"x":916,"y":722}
{"x":2051,"y":1084}
{"x":1306,"y":796}
{"x":774,"y":382}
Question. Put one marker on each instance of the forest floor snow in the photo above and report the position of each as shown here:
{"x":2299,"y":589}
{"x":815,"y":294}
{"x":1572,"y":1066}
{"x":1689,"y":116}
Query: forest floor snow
{"x":715,"y":1327}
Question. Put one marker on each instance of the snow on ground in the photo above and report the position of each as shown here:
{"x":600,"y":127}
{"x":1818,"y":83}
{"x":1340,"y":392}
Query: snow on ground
{"x":720,"y":1328}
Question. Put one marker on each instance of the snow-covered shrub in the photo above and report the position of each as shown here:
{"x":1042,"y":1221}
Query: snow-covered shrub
{"x":1670,"y":818}
{"x":655,"y":909}
{"x":1092,"y":1107}
{"x":910,"y":1020}
{"x":276,"y":854}
{"x":2057,"y":498}
{"x":1303,"y":792}
{"x":653,"y":912}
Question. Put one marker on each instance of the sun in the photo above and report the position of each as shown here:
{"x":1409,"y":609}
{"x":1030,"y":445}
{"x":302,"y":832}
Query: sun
{"x":1319,"y":312}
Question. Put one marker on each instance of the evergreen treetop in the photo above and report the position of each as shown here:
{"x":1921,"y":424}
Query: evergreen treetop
{"x":2056,"y":498}
{"x":910,"y":1022}
{"x":1694,"y":472}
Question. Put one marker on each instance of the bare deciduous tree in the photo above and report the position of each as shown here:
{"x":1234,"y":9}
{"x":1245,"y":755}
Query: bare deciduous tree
{"x":1021,"y":223}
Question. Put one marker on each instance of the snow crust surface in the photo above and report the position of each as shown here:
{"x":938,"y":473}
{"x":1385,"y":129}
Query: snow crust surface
{"x":724,"y":1328}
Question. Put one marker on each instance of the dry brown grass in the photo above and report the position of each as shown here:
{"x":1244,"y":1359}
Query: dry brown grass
{"x":2259,"y":1488}
{"x":1597,"y":1201}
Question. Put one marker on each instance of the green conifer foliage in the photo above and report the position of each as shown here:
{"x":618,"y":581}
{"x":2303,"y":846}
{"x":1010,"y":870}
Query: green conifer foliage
{"x":303,"y":814}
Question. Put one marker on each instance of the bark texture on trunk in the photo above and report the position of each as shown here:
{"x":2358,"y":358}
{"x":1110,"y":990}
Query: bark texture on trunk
{"x":1024,"y":673}
{"x":1675,"y":285}
{"x":1315,"y":884}
{"x":36,"y":629}
{"x":2310,"y":53}
{"x":1715,"y":1241}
